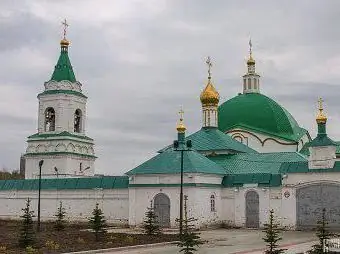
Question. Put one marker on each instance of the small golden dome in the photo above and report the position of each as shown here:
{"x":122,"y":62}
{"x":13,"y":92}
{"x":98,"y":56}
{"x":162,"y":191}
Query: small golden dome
{"x":251,"y":60}
{"x":209,"y":95}
{"x":181,"y":127}
{"x":64,"y":42}
{"x":321,"y":117}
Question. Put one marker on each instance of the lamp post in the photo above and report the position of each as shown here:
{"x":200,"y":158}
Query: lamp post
{"x":40,"y":166}
{"x":181,"y":146}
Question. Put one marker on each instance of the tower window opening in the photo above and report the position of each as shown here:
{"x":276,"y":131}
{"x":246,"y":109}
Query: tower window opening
{"x":49,"y":119}
{"x":255,"y":83}
{"x":249,"y":83}
{"x":77,"y":121}
{"x":212,"y":203}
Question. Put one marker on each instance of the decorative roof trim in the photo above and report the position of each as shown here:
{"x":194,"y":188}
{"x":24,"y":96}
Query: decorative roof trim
{"x":61,"y":134}
{"x":66,"y":92}
{"x":60,"y":153}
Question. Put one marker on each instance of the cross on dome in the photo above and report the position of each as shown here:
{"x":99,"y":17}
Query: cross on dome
{"x":66,"y":25}
{"x":209,"y":63}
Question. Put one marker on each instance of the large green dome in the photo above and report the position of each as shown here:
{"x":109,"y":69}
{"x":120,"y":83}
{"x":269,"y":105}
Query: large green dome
{"x":257,"y":112}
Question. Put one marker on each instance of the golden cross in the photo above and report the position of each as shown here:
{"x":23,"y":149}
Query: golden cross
{"x":64,"y":23}
{"x":209,"y":63}
{"x":320,"y":103}
{"x":181,"y":112}
{"x":250,"y":46}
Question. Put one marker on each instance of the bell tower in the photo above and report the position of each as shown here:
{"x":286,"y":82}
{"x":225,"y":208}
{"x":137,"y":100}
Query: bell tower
{"x":61,"y":140}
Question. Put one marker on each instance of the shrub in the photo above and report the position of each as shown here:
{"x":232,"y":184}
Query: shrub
{"x":27,"y":234}
{"x":150,"y":225}
{"x":97,"y":222}
{"x":60,"y":218}
{"x":52,"y":245}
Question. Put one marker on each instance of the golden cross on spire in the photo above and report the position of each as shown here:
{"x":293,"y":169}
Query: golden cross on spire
{"x":64,"y":23}
{"x":181,"y":113}
{"x":250,"y":47}
{"x":320,"y":101}
{"x":209,"y":63}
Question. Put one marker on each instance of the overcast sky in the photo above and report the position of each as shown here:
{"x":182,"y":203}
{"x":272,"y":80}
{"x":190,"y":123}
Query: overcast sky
{"x":139,"y":61}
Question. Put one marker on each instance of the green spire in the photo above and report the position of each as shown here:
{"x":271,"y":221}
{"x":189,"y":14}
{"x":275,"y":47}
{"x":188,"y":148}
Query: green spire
{"x":63,"y":70}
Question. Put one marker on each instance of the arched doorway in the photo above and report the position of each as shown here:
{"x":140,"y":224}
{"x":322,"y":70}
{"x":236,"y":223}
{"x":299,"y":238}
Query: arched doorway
{"x":311,"y":199}
{"x":252,"y":209}
{"x":162,"y":209}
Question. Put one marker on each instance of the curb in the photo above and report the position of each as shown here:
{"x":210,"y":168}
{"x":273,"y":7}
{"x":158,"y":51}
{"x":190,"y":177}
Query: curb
{"x":122,"y":248}
{"x":281,"y":246}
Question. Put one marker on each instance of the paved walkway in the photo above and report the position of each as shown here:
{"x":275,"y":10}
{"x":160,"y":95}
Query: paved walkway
{"x":223,"y":241}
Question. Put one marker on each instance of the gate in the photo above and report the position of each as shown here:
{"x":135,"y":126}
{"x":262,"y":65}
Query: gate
{"x":162,"y":209}
{"x":310,"y":201}
{"x":252,"y":210}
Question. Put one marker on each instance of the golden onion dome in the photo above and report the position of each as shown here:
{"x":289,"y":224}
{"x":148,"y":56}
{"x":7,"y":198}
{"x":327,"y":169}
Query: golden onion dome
{"x":181,"y":127}
{"x":209,"y":95}
{"x":251,"y":60}
{"x":64,"y":42}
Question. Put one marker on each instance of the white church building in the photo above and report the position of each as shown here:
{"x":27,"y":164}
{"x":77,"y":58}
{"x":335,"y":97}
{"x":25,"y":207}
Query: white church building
{"x":250,"y":156}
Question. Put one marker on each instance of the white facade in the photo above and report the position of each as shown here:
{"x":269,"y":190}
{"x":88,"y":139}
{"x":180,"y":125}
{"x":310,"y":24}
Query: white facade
{"x":267,"y":144}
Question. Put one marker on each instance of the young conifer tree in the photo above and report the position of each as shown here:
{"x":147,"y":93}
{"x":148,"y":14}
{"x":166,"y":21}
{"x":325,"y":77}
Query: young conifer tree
{"x":97,"y":222}
{"x":27,"y":234}
{"x":190,"y":238}
{"x":60,"y":222}
{"x":151,"y":225}
{"x":272,"y":238}
{"x":322,"y":233}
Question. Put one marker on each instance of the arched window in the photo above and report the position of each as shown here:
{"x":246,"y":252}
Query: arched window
{"x":49,"y":119}
{"x":255,"y":83}
{"x":77,"y":121}
{"x":249,"y":83}
{"x":212,"y":203}
{"x":244,"y":84}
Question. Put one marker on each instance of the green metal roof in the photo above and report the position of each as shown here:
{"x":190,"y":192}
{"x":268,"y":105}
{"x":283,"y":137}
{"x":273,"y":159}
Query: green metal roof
{"x":257,"y":112}
{"x":261,"y":168}
{"x":212,"y":139}
{"x":61,"y":134}
{"x":168,"y":162}
{"x":322,"y":140}
{"x":109,"y":182}
{"x":302,"y":167}
{"x":63,"y":70}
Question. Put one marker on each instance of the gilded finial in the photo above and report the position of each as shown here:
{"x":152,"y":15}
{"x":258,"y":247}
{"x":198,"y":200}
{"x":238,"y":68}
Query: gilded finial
{"x":321,"y":118}
{"x":64,"y":41}
{"x":209,"y":95}
{"x":180,"y":126}
{"x":251,"y":60}
{"x":209,"y":63}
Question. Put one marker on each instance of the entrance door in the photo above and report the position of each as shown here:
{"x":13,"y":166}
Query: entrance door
{"x":252,"y":210}
{"x":310,"y":201}
{"x":162,"y":209}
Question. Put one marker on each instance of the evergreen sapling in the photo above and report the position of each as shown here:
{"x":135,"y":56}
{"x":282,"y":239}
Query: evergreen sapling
{"x":272,"y":238}
{"x":27,"y":234}
{"x":97,"y":222}
{"x":322,"y":233}
{"x":151,"y":225}
{"x":190,"y":239}
{"x":60,"y":218}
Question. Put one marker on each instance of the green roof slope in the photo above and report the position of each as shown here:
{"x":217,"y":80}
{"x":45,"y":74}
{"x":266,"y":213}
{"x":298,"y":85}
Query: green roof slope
{"x":63,"y":70}
{"x":302,"y":167}
{"x":212,"y":139}
{"x":257,"y":112}
{"x":262,"y":169}
{"x":109,"y":182}
{"x":168,"y":162}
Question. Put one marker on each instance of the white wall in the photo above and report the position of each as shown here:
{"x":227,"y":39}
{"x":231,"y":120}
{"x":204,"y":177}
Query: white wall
{"x":264,"y":143}
{"x":78,"y":203}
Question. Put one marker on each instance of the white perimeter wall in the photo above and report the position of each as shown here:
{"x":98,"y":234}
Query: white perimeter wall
{"x":78,"y":203}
